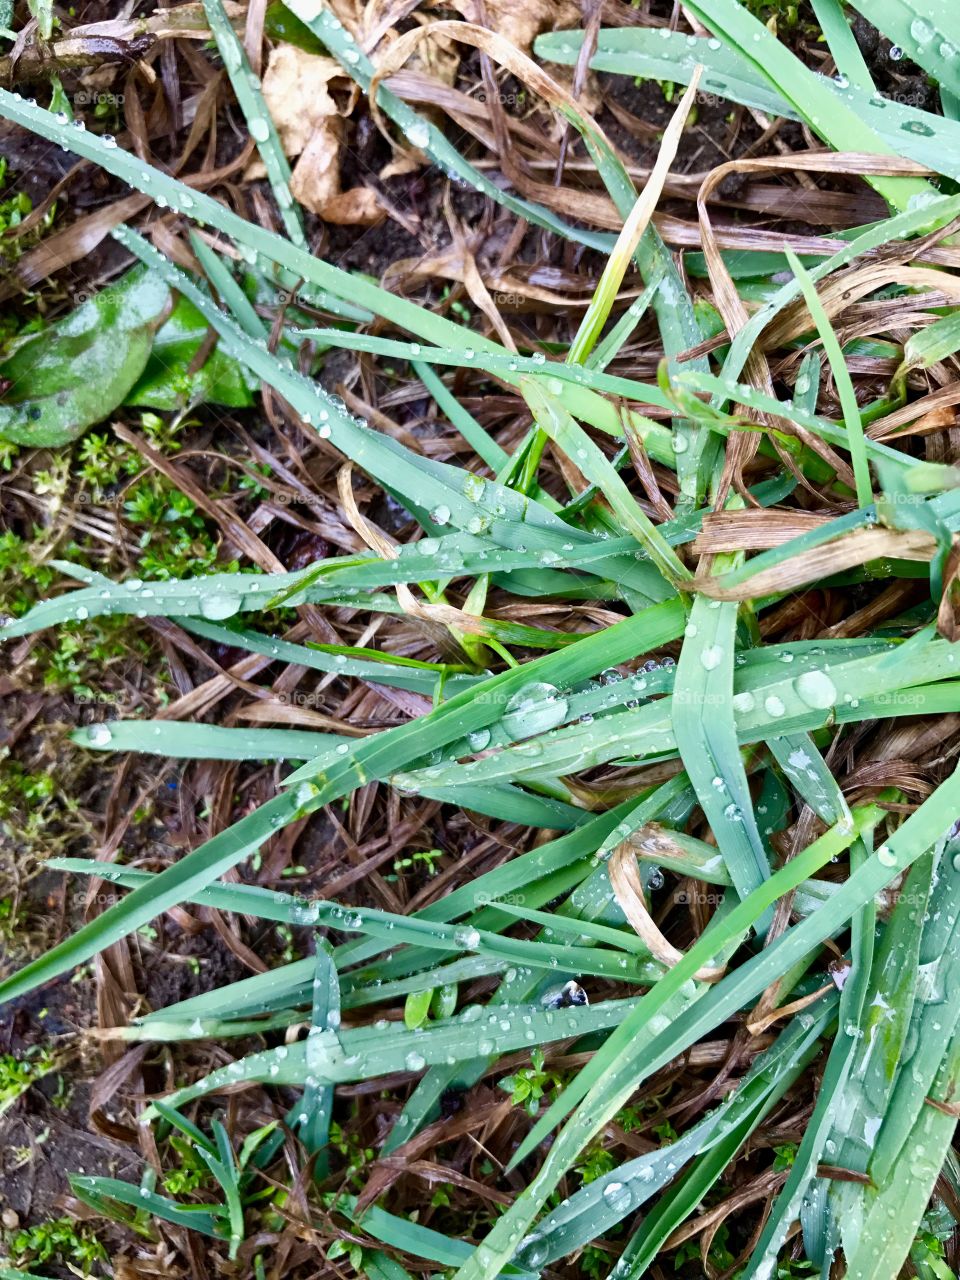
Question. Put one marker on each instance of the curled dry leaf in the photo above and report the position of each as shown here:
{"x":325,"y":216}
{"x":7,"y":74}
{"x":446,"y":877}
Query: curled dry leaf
{"x":316,"y":178}
{"x":520,"y":24}
{"x":627,"y":888}
{"x":307,"y":119}
{"x":358,"y":207}
{"x":439,"y":59}
{"x":844,"y":553}
{"x":297,"y":97}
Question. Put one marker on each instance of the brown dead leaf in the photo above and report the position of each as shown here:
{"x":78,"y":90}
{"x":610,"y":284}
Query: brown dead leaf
{"x":295,"y":89}
{"x":520,"y":23}
{"x":822,"y":562}
{"x":754,"y":530}
{"x":358,"y":207}
{"x":316,"y":178}
{"x":296,"y":94}
{"x":438,"y":58}
{"x":627,"y":888}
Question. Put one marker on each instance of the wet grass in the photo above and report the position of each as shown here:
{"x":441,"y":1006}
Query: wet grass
{"x":673,"y":656}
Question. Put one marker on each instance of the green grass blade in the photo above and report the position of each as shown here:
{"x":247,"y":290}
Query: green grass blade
{"x":856,"y":442}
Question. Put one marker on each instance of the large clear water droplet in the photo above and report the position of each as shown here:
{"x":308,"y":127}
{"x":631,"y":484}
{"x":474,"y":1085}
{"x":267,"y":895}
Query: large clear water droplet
{"x":219,"y":605}
{"x":816,"y":689}
{"x":534,"y":709}
{"x":617,"y":1196}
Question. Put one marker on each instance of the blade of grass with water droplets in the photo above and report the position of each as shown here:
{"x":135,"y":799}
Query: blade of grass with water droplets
{"x":192,"y":741}
{"x":769,"y":1077}
{"x":510,"y":367}
{"x":927,"y":31}
{"x":485,"y":703}
{"x":731,"y":72}
{"x":387,"y":668}
{"x":246,"y":86}
{"x":610,"y":1077}
{"x":856,"y":443}
{"x":226,"y":595}
{"x":170,"y":887}
{"x":703,"y":706}
{"x":363,"y":1053}
{"x":314,"y":1112}
{"x":97,"y":1192}
{"x":770,"y":704}
{"x":553,"y":419}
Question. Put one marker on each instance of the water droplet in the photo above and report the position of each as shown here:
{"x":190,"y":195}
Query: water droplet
{"x":886,"y":856}
{"x":304,"y":794}
{"x":816,"y":689}
{"x":922,"y":31}
{"x":478,"y":739}
{"x":467,"y":938}
{"x":617,"y":1197}
{"x":534,"y":709}
{"x":219,"y":605}
{"x":98,"y":735}
{"x":533,"y":1252}
{"x":773,"y":706}
{"x":419,"y":134}
{"x":440,"y":515}
{"x":711,"y":657}
{"x":918,"y":127}
{"x":415,"y":1061}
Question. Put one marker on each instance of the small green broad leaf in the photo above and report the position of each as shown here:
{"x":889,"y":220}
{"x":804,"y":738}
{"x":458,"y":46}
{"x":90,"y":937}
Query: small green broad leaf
{"x":169,"y":381}
{"x":66,"y":378}
{"x":416,"y":1010}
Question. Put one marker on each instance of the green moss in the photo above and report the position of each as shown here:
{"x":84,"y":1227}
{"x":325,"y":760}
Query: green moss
{"x":61,"y":1241}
